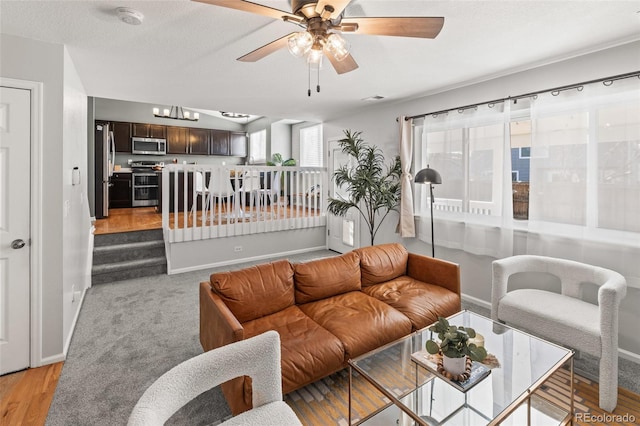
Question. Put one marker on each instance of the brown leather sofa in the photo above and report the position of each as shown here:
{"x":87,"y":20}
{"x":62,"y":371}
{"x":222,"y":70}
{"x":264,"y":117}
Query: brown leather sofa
{"x":327,"y":310}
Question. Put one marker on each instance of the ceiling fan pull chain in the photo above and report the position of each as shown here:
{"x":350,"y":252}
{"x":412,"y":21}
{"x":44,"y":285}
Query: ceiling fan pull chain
{"x":318,"y":86}
{"x":309,"y":80}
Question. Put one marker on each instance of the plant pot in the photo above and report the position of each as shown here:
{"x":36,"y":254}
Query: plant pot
{"x":455,"y":366}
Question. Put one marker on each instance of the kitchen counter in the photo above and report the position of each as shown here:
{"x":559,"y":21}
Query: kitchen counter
{"x":123,"y":170}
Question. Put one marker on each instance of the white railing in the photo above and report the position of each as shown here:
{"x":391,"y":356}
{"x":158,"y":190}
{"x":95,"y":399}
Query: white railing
{"x":201,"y":202}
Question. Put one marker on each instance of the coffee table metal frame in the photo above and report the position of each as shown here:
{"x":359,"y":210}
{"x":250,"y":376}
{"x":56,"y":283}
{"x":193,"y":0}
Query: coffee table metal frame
{"x":512,"y":406}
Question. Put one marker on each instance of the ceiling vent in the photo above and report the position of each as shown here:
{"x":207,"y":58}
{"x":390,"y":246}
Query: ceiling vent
{"x":129,"y":16}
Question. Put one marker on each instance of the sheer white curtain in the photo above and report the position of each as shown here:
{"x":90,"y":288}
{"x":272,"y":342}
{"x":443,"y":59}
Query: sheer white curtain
{"x":585,"y":176}
{"x":407,"y":223}
{"x":472,"y":207}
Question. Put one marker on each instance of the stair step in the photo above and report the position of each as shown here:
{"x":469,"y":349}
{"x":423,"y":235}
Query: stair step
{"x":127,"y":237}
{"x":127,"y":264}
{"x":126,"y":274}
{"x":129,"y":251}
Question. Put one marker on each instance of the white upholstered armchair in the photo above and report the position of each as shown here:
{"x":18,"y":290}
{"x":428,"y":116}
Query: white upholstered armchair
{"x":565,"y":318}
{"x":257,"y":357}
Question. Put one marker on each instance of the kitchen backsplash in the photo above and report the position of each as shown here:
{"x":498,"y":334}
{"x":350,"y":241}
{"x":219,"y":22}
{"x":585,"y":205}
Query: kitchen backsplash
{"x":122,"y":159}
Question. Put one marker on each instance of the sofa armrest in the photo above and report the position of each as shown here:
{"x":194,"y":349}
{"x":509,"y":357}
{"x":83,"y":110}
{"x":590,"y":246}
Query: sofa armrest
{"x":434,"y":271}
{"x":218,"y":326}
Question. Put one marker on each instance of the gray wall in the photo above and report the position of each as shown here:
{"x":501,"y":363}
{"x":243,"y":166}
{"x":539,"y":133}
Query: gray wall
{"x":196,"y":255}
{"x":138,"y":112}
{"x":380,"y":128}
{"x":63,"y":246}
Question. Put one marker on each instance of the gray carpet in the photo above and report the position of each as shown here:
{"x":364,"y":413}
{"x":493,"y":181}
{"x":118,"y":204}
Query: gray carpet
{"x":128,"y":334}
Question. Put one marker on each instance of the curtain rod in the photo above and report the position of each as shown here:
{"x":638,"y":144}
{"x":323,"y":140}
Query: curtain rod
{"x":606,"y":81}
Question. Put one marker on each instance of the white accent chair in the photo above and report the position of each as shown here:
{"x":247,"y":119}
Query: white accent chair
{"x":257,"y":357}
{"x":564,"y":317}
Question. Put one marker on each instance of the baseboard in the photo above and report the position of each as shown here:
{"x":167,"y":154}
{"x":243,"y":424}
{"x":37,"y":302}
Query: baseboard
{"x":73,"y":325}
{"x":476,"y":301}
{"x":622,"y":353}
{"x":51,"y":360}
{"x":629,"y":356}
{"x":243,"y":260}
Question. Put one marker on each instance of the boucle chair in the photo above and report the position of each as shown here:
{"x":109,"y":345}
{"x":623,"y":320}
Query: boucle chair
{"x":257,"y":357}
{"x":565,"y":318}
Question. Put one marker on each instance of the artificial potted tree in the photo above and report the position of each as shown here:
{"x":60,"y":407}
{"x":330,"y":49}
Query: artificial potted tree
{"x":455,"y":347}
{"x":371,"y":187}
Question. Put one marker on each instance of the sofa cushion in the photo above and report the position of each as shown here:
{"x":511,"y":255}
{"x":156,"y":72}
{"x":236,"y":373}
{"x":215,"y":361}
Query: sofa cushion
{"x":382,"y":263}
{"x":362,"y":323}
{"x":256,"y":291}
{"x":309,"y":352}
{"x":422,"y":303}
{"x":322,"y":278}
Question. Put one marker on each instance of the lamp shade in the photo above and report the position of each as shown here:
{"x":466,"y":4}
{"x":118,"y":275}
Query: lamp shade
{"x":428,"y":175}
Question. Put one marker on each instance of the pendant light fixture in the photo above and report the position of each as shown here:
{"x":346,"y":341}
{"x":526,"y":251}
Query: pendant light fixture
{"x":176,"y":113}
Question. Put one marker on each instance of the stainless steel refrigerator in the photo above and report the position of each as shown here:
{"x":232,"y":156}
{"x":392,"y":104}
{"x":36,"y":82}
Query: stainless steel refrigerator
{"x":104,"y":155}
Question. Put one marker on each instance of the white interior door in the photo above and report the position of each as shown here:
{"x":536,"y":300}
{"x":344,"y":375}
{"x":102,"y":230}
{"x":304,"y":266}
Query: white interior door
{"x":15,"y":142}
{"x":344,"y":232}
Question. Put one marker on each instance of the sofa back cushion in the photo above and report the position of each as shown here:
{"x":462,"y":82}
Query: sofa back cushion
{"x":256,"y":291}
{"x":382,"y":263}
{"x":322,"y":278}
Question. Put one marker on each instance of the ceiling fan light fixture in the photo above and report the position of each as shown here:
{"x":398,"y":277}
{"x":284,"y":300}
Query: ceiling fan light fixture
{"x":300,"y":43}
{"x":337,"y":46}
{"x":314,"y":57}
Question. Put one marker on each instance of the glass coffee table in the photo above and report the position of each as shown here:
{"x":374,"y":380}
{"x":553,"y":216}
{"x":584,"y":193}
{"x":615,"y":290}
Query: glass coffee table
{"x":415,"y":395}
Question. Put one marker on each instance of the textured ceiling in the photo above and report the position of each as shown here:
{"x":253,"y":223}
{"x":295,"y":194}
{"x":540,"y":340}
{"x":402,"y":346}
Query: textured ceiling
{"x":185,"y":52}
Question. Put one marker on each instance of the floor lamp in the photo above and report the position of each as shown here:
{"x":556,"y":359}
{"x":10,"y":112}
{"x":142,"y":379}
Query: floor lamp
{"x":431,"y":177}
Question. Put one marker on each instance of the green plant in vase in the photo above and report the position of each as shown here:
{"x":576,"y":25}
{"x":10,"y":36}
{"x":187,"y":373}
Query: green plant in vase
{"x":454,"y":345}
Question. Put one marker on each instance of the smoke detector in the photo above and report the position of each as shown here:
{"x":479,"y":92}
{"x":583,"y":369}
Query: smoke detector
{"x":129,"y":16}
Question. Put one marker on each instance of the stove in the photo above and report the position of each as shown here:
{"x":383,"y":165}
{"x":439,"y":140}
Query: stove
{"x":145,"y":166}
{"x":145,"y":187}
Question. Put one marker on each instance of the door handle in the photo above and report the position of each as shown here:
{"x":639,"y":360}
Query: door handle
{"x":17,"y":244}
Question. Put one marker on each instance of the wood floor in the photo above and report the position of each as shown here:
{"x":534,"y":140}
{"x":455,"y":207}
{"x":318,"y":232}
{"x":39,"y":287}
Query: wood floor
{"x":25,"y":398}
{"x":143,"y":218}
{"x":126,"y":220}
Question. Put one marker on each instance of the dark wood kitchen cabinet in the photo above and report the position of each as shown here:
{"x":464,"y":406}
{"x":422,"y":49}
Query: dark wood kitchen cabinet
{"x":120,"y":190}
{"x":238,"y":144}
{"x":199,"y":141}
{"x":122,"y":136}
{"x":144,"y":130}
{"x":219,"y":142}
{"x":177,"y":140}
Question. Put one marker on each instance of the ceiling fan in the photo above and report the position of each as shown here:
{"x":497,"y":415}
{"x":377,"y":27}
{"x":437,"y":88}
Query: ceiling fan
{"x":323,"y":22}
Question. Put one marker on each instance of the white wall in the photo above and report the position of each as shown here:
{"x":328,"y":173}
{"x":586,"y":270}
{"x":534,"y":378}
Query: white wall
{"x":281,"y":139}
{"x":32,"y":60}
{"x":196,"y":255}
{"x":76,"y":265}
{"x":380,"y":128}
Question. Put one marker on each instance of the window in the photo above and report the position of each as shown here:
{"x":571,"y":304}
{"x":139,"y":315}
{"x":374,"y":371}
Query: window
{"x":258,"y":147}
{"x":470,"y":155}
{"x":525,"y":152}
{"x":311,"y":146}
{"x":514,"y":176}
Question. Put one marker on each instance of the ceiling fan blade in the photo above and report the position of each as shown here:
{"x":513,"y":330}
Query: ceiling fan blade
{"x":247,"y":6}
{"x":337,"y":5}
{"x":422,"y":27}
{"x":265,"y":50}
{"x":346,"y":65}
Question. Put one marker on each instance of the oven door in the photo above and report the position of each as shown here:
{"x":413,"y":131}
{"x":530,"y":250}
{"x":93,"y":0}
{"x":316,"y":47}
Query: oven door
{"x":144,"y":189}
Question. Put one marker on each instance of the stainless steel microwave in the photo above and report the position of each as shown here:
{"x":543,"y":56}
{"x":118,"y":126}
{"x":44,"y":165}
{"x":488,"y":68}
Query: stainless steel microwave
{"x":150,"y":146}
